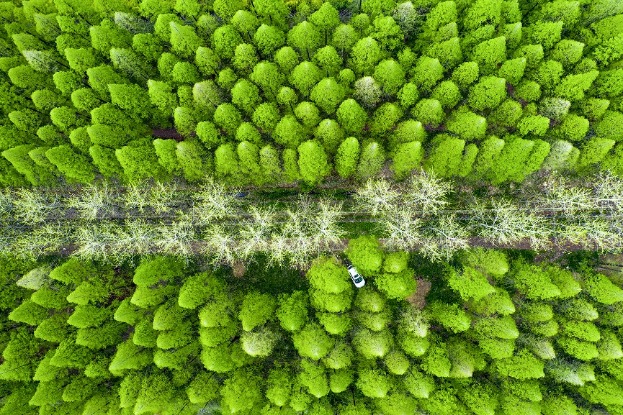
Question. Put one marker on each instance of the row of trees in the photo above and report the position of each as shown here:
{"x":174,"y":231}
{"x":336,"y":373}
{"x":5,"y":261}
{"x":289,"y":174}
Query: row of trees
{"x":166,"y":337}
{"x":486,"y":89}
{"x":494,"y":160}
{"x":114,"y":223}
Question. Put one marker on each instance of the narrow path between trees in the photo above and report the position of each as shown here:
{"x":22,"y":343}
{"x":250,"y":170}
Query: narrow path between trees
{"x":422,"y":215}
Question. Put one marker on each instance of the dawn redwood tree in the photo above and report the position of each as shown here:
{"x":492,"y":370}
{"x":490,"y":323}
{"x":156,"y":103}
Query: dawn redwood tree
{"x":351,"y":116}
{"x":305,"y":76}
{"x":313,"y":162}
{"x":268,"y":77}
{"x":365,"y":54}
{"x":305,"y":38}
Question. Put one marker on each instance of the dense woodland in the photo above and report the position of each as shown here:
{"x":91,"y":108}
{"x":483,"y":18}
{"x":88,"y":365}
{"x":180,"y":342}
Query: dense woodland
{"x":497,"y":334}
{"x":264,"y":91}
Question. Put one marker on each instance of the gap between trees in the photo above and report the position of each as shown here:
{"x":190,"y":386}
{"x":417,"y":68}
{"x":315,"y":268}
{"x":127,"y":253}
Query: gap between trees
{"x":420,"y":214}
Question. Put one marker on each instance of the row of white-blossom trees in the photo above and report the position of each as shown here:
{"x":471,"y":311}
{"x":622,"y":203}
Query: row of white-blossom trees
{"x":421,"y":213}
{"x":558,"y":213}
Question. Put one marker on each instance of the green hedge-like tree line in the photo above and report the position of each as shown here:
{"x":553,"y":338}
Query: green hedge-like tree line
{"x":267,"y":91}
{"x":497,"y":334}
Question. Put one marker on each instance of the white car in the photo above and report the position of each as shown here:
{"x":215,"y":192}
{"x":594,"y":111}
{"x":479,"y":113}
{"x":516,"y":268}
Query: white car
{"x":354,"y":275}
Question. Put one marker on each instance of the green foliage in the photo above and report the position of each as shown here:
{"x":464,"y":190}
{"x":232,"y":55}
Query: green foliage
{"x":308,"y":114}
{"x":312,"y":342}
{"x":444,"y":159}
{"x":256,"y":310}
{"x":106,"y":161}
{"x":447,"y":93}
{"x":382,"y":347}
{"x":329,"y":276}
{"x":601,"y":289}
{"x":289,"y":132}
{"x":365,"y":253}
{"x":609,"y":126}
{"x":488,"y":54}
{"x":450,"y":316}
{"x":330,"y":134}
{"x":398,"y":285}
{"x":593,"y":151}
{"x":371,"y":344}
{"x":366,"y":53}
{"x":467,"y":125}
{"x":327,"y":94}
{"x":448,"y":52}
{"x":328,"y":60}
{"x":305,"y":38}
{"x":20,"y":160}
{"x":408,"y":95}
{"x":407,"y":157}
{"x":535,"y":283}
{"x":73,"y":165}
{"x":385,"y":118}
{"x":536,"y":125}
{"x":373,"y":383}
{"x":139,"y":162}
{"x":292,"y":311}
{"x":427,"y":73}
{"x":429,"y":112}
{"x":268,"y":39}
{"x":225,"y":39}
{"x":488,"y":93}
{"x":81,"y":59}
{"x":573,"y":87}
{"x":465,"y":74}
{"x":351,"y":116}
{"x":471,"y":284}
{"x":165,"y":149}
{"x":347,"y":157}
{"x":312,"y":162}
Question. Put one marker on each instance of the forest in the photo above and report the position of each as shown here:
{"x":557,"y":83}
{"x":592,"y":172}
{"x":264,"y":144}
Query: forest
{"x":184,"y":184}
{"x":490,"y":332}
{"x":271,"y":92}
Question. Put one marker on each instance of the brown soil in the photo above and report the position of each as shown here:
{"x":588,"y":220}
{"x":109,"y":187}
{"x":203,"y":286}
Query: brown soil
{"x":167,"y":133}
{"x":239,"y":269}
{"x":418,"y":300}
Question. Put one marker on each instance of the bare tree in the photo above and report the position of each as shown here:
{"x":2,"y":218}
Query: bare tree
{"x":47,"y":238}
{"x":33,"y":206}
{"x":326,"y":231}
{"x":213,"y":202}
{"x":6,"y":203}
{"x":444,"y":239}
{"x":136,"y":196}
{"x":136,"y":237}
{"x":403,"y":231}
{"x":503,"y":223}
{"x":278,"y":248}
{"x":601,"y":236}
{"x":92,"y":201}
{"x":176,"y":238}
{"x":608,"y":189}
{"x":426,"y":193}
{"x":296,"y":232}
{"x":220,"y":246}
{"x":162,"y":197}
{"x":377,"y":196}
{"x":255,"y":233}
{"x":560,"y":196}
{"x":94,"y":241}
